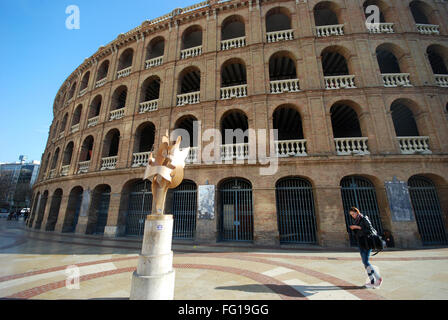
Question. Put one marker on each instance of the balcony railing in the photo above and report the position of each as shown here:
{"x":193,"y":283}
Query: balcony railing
{"x":148,"y":106}
{"x":428,"y":28}
{"x":191,"y":52}
{"x":74,"y":128}
{"x":380,"y":27}
{"x":92,"y":121}
{"x":392,"y":80}
{"x":282,"y":35}
{"x":124,"y":72}
{"x":188,"y":98}
{"x":101,"y":82}
{"x":332,"y":30}
{"x":51,"y":173}
{"x":109,"y":163}
{"x":64,"y":170}
{"x":233,"y":43}
{"x":153,"y":62}
{"x":82,"y":92}
{"x":290,"y":148}
{"x":140,"y":159}
{"x":340,"y":82}
{"x":116,"y":114}
{"x":192,"y":156}
{"x":238,"y":151}
{"x":414,"y":145}
{"x":351,"y":146}
{"x":281,"y":86}
{"x":83,"y":166}
{"x":441,"y":80}
{"x":239,"y":91}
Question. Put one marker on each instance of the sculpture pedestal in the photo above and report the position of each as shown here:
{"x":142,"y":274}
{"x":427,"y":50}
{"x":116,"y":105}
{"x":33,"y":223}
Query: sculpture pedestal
{"x":154,"y":278}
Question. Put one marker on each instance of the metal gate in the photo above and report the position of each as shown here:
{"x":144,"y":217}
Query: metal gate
{"x":295,"y":211}
{"x":236,"y":219}
{"x":184,"y":210}
{"x":103,"y":209}
{"x":359,"y":192}
{"x":140,"y":205}
{"x":428,"y":213}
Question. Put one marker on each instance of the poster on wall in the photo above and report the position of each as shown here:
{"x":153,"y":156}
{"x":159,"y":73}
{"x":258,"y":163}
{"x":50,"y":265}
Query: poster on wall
{"x":399,"y":200}
{"x":206,"y":202}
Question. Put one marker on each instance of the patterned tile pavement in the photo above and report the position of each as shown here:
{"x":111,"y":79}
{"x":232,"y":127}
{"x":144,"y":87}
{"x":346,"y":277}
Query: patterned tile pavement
{"x":33,"y":266}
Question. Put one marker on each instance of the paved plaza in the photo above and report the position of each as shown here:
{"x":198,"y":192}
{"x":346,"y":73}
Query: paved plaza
{"x":33,"y":266}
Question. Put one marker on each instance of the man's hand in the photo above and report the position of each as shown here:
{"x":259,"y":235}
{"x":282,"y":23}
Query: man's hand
{"x":353,"y":227}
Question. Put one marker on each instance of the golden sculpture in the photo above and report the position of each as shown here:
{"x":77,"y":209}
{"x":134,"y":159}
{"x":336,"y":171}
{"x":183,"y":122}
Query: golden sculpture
{"x":165,"y":171}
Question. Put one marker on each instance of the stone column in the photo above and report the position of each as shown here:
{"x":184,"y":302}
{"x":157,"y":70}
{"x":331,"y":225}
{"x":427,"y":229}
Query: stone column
{"x":206,"y":221}
{"x":155,"y":276}
{"x":265,"y":217}
{"x":86,"y":210}
{"x":62,"y":213}
{"x":330,"y":217}
{"x":111,"y":229}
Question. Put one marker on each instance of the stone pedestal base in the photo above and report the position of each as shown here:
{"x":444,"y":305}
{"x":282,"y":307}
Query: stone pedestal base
{"x":155,"y":277}
{"x":159,"y":287}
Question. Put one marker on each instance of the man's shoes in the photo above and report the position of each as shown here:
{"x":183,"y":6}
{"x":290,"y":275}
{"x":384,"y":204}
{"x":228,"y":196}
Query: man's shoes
{"x":369,"y":285}
{"x":378,"y":283}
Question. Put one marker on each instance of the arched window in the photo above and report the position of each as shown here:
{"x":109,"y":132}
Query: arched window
{"x":111,"y":143}
{"x":233,"y":33}
{"x":76,"y":118}
{"x":150,"y":89}
{"x":155,"y":51}
{"x":67,"y":158}
{"x":86,"y":149}
{"x":119,"y":98}
{"x":278,"y":25}
{"x":125,"y":60}
{"x":63,"y":124}
{"x":325,"y":14}
{"x":55,"y":159}
{"x":84,"y":82}
{"x":282,"y":73}
{"x":336,"y":68}
{"x":347,"y":133}
{"x":404,"y":121}
{"x":102,"y":71}
{"x":189,"y":86}
{"x":94,"y":110}
{"x":233,"y":79}
{"x":234,"y":125}
{"x":143,"y":143}
{"x":72,"y":91}
{"x":290,"y":141}
{"x":438,"y":58}
{"x":191,"y":42}
{"x":185,"y":127}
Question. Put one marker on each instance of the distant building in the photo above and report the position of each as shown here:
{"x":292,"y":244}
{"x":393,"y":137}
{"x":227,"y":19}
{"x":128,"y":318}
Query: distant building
{"x":16,"y":181}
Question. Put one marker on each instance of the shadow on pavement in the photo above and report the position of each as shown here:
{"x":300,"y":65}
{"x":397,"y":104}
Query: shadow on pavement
{"x":284,"y":289}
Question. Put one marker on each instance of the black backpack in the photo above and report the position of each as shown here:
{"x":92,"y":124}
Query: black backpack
{"x":373,"y":241}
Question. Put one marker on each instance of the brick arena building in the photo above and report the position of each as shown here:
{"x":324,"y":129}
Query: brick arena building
{"x":360,"y":109}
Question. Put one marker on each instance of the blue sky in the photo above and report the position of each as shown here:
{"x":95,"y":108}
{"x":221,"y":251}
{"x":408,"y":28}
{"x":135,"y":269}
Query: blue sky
{"x":39,"y":53}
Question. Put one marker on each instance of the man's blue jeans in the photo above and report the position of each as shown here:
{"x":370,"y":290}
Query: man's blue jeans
{"x":365,"y":255}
